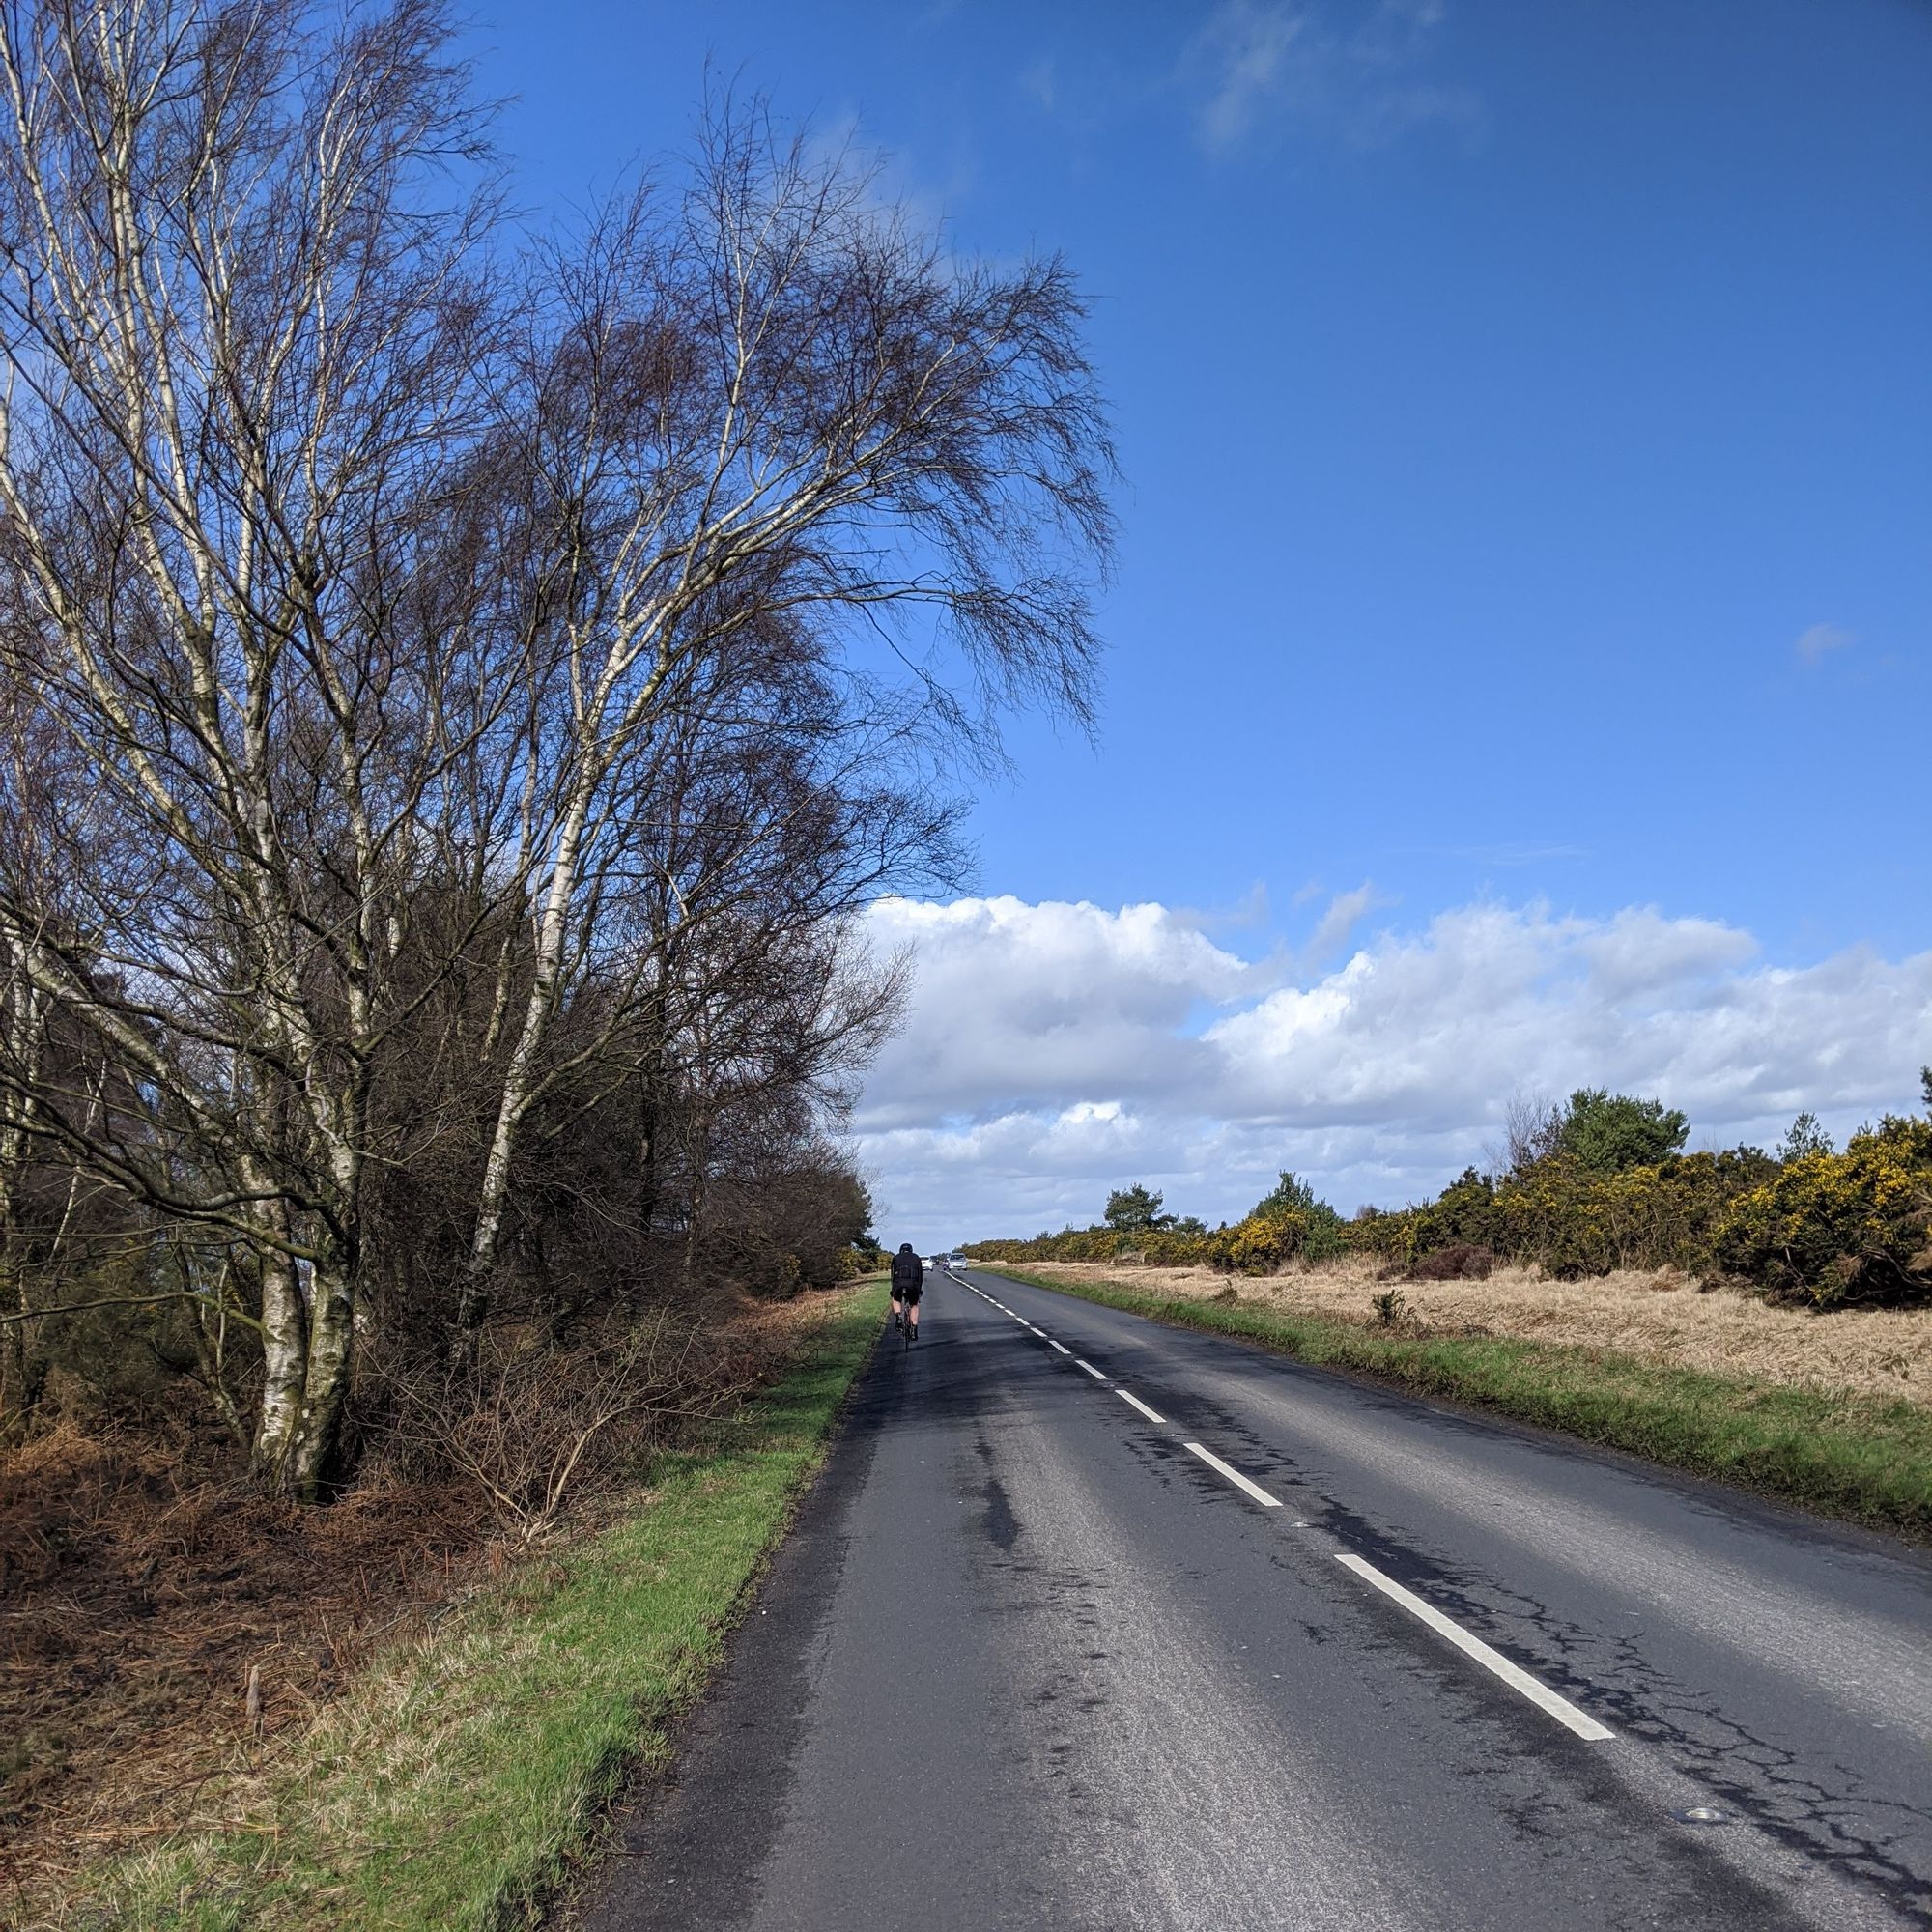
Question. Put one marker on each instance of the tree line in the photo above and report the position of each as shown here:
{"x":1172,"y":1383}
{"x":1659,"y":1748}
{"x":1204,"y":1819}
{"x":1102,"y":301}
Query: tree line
{"x":458,"y":685}
{"x":1583,"y":1188}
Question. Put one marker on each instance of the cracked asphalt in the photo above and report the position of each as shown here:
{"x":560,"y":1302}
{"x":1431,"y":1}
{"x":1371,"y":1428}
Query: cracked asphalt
{"x":1027,"y":1659}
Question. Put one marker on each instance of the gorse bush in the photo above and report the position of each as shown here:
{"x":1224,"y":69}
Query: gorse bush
{"x":1573,"y":1221}
{"x":1286,"y":1224}
{"x":1834,"y":1228}
{"x":1607,"y":1188}
{"x":1318,"y":1228}
{"x":1260,"y":1245}
{"x":1160,"y":1247}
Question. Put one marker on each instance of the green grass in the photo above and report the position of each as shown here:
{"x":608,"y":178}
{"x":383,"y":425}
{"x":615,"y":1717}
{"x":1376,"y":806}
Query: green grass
{"x":452,"y":1783}
{"x":1846,"y":1455}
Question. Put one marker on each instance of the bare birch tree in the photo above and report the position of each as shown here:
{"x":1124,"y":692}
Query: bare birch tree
{"x":770,"y":407}
{"x":239,"y":344}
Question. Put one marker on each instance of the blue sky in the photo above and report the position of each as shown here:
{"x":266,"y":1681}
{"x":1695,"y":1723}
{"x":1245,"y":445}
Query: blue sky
{"x":1526,"y":419}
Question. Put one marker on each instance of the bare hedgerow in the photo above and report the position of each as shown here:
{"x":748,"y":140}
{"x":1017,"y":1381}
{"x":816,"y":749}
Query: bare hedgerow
{"x":536,"y":1420}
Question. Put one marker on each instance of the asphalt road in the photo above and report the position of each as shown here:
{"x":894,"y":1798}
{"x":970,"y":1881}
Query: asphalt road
{"x":1030,"y":1659}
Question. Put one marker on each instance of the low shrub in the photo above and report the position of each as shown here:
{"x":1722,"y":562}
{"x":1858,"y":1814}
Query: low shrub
{"x":1460,"y":1261}
{"x":1389,"y":1306}
{"x":1289,"y":1223}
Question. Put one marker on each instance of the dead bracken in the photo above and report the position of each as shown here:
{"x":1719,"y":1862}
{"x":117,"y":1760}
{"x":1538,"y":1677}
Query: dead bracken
{"x":143,"y":1582}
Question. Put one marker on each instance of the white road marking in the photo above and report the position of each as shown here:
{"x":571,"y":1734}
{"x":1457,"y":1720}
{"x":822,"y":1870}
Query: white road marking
{"x":1518,"y":1679}
{"x":1560,"y":1708}
{"x":1235,"y":1476}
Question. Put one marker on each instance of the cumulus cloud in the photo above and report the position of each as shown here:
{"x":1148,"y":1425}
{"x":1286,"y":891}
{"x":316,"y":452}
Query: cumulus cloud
{"x":1816,"y":644}
{"x":1030,"y":1009}
{"x":1056,"y":1050}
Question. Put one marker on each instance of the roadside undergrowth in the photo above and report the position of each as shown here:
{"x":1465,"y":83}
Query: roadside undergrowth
{"x":1864,"y":1460}
{"x":454,"y":1778}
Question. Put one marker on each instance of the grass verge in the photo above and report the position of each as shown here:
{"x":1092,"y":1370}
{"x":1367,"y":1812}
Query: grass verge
{"x":449,"y":1786}
{"x":1867,"y":1461}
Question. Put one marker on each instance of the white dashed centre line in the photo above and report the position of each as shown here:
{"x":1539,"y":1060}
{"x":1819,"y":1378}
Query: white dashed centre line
{"x":1235,"y":1476}
{"x":1560,"y":1708}
{"x":1518,"y":1679}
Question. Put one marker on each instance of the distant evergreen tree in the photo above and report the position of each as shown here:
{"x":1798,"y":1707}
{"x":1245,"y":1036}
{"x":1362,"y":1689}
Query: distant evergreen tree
{"x":1608,"y":1132}
{"x":1289,"y":1195}
{"x":1804,"y":1136}
{"x":1135,"y":1210}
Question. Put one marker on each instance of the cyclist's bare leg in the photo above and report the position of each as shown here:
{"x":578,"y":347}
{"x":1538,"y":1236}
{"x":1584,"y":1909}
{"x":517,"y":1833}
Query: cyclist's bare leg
{"x":898,"y":1311}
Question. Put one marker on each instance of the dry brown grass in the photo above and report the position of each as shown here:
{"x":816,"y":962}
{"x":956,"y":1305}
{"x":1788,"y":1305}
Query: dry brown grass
{"x":1659,"y":1316}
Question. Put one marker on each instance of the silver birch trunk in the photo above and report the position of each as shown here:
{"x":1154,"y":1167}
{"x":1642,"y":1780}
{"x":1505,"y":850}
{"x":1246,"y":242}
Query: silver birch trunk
{"x":25,"y":1031}
{"x":284,"y":1363}
{"x":331,"y":1348}
{"x":520,"y":1080}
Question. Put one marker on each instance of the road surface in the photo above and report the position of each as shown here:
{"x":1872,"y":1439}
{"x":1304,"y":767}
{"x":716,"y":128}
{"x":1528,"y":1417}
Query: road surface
{"x":1094,"y":1623}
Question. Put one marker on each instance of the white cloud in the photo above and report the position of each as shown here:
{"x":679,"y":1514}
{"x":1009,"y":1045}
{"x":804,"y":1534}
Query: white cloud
{"x":1256,"y":61}
{"x":1245,"y":47}
{"x":1815,"y":645}
{"x":1346,"y":910}
{"x":1054,"y":1051}
{"x":1018,"y":1006}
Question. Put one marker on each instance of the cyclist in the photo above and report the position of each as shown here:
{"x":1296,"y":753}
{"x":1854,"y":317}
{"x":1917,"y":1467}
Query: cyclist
{"x":908,"y":1283}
